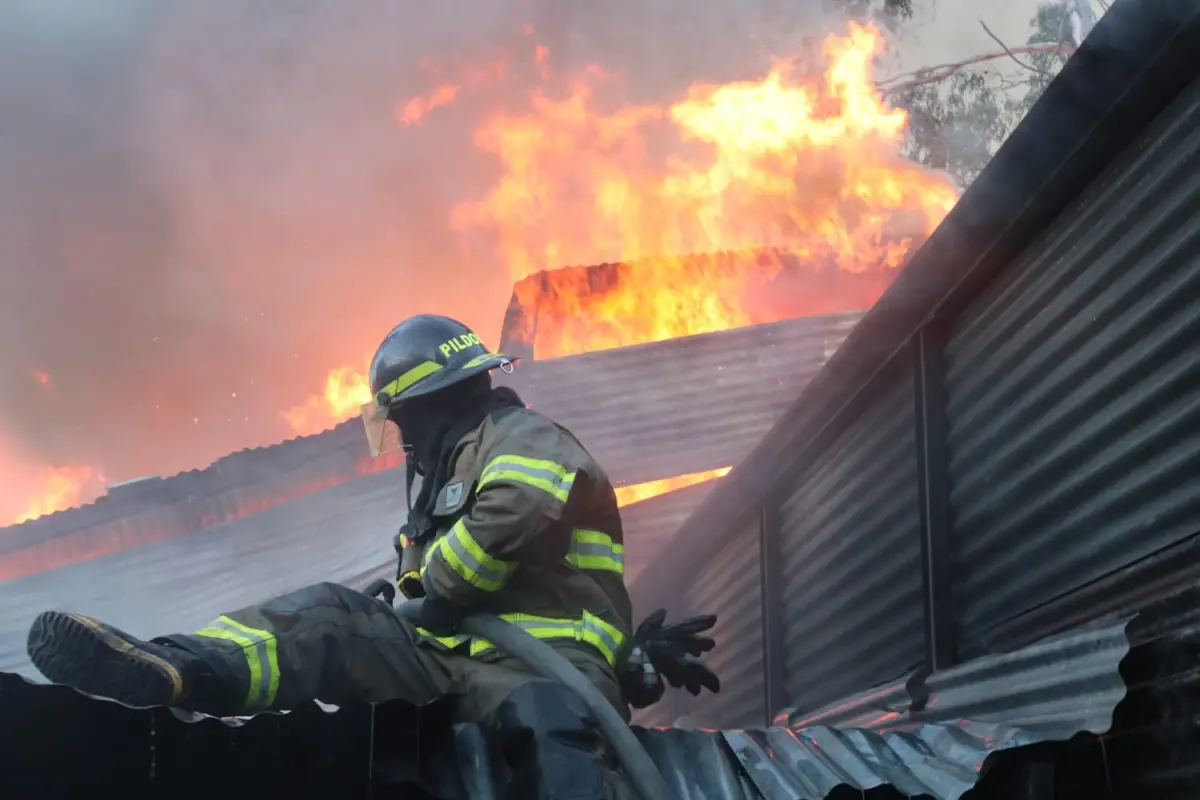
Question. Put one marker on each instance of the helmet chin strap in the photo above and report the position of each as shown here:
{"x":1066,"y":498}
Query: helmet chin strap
{"x":411,"y":472}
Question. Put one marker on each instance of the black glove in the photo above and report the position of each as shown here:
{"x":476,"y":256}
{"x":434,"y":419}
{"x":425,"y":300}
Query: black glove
{"x":674,"y":650}
{"x":439,"y":616}
{"x":641,"y":685}
{"x":410,"y":585}
{"x":381,"y":589}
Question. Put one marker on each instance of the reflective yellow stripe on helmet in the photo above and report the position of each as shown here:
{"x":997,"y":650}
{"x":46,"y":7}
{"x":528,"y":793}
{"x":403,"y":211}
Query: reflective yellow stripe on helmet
{"x":259,"y":647}
{"x":554,"y":479}
{"x":593,"y":550}
{"x":422,"y":370}
{"x":590,"y":629}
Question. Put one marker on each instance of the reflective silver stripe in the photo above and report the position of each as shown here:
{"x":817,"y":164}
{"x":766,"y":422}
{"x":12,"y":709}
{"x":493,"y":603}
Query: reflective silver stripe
{"x":486,"y":573}
{"x":597,"y":631}
{"x":595,"y":551}
{"x":552,"y":476}
{"x":600,"y":550}
{"x":554,"y":479}
{"x":262,"y":667}
{"x":591,"y":629}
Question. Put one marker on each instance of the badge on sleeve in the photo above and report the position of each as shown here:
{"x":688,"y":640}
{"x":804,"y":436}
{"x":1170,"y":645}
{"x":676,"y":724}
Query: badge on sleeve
{"x":453,"y":499}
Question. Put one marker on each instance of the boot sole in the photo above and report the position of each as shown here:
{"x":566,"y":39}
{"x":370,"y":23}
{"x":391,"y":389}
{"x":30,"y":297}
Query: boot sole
{"x":86,"y":655}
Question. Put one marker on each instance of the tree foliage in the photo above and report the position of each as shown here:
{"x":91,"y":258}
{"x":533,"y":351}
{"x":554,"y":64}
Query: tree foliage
{"x":957,"y":122}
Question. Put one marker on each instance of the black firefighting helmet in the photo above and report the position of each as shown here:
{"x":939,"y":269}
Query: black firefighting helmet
{"x":422,"y":355}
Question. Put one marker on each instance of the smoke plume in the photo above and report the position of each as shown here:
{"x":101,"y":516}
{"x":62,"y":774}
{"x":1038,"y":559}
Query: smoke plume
{"x":206,"y":206}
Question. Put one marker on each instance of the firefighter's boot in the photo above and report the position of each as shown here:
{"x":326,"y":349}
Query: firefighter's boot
{"x":101,"y":660}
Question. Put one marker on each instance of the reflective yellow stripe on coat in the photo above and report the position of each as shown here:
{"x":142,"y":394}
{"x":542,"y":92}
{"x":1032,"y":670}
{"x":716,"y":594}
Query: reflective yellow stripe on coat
{"x":593,"y":550}
{"x":260,"y":650}
{"x":588,"y":550}
{"x":553,"y":479}
{"x":468,"y":559}
{"x":591,"y":630}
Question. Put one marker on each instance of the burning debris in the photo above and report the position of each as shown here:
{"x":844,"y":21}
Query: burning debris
{"x":790,"y":189}
{"x":789,"y":192}
{"x":61,"y":487}
{"x":628,"y":495}
{"x":587,"y":309}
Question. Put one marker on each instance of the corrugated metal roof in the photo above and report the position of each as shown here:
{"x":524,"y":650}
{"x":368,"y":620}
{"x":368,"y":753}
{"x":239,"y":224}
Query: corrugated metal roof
{"x":683,"y":405}
{"x":682,"y":385}
{"x":241,"y":468}
{"x":1053,"y":689}
{"x":342,"y":535}
{"x":913,"y":740}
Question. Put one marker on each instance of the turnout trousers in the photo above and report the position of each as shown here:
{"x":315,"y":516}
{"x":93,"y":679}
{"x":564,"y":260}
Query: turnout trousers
{"x":330,"y":643}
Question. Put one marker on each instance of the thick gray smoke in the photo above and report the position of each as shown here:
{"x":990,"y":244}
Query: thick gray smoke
{"x":204,"y":206}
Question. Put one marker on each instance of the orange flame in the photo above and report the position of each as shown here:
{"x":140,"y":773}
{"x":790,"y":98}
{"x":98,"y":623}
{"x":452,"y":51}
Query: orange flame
{"x":345,"y":393}
{"x":805,"y":160}
{"x":474,"y":77}
{"x":62,"y":488}
{"x":808,"y":163}
{"x":416,"y":109}
{"x":628,"y":495}
{"x":43,"y":378}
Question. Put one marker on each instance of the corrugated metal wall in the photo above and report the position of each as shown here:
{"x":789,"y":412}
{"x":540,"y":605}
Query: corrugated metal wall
{"x":851,"y":574}
{"x":1074,"y":391}
{"x":730,"y":586}
{"x":1038,"y":466}
{"x":701,"y":402}
{"x":650,"y":525}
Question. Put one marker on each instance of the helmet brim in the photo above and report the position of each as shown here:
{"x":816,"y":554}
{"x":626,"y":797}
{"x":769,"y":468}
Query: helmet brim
{"x":451,"y":374}
{"x":382,"y":433}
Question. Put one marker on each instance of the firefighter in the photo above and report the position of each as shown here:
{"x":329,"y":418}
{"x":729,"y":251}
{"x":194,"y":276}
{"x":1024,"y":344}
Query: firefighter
{"x":513,"y":517}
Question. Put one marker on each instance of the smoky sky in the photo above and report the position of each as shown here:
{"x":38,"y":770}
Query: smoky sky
{"x":206,"y":205}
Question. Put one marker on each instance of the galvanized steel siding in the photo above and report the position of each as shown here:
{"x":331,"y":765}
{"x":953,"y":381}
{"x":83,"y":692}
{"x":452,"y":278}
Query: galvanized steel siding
{"x":729,"y":587}
{"x":650,"y":525}
{"x":683,"y":405}
{"x":1074,"y":390}
{"x":852,"y":608}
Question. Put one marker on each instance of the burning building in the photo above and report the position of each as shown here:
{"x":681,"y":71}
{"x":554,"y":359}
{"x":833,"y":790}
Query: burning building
{"x":789,"y":191}
{"x":913,"y":535}
{"x":662,"y":416}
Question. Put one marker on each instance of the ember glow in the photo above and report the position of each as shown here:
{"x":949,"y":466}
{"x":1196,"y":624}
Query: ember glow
{"x":30,"y":488}
{"x":345,"y":393}
{"x":415,"y":110}
{"x":628,"y":495}
{"x":61,"y":488}
{"x":804,"y":159}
